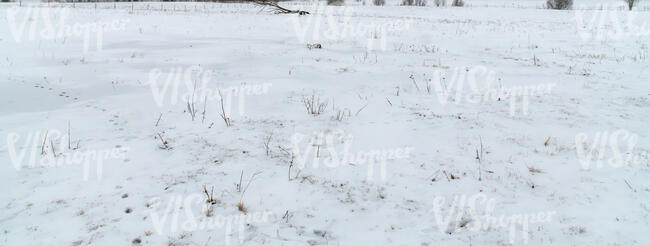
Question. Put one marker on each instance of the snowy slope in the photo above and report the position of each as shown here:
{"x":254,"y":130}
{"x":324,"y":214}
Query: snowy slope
{"x":421,"y":142}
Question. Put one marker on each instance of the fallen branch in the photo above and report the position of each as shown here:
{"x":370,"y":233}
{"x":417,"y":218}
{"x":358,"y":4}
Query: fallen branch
{"x":279,"y":10}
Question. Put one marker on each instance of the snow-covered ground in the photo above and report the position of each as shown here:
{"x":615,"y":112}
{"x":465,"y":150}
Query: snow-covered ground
{"x":497,"y":123}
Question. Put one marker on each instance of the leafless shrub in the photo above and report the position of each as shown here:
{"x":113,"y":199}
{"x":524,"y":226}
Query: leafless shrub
{"x":414,"y":2}
{"x":336,"y":2}
{"x":313,"y":105}
{"x":379,"y":2}
{"x":559,"y":4}
{"x":458,"y":3}
{"x":440,"y":3}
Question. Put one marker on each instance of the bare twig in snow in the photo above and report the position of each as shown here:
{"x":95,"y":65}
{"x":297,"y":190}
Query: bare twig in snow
{"x":223,"y":114}
{"x":479,"y":157}
{"x":240,"y":178}
{"x":416,"y":84}
{"x":69,"y":147}
{"x":628,"y":185}
{"x":159,"y":117}
{"x":240,"y":205}
{"x":44,"y":141}
{"x":52,"y":145}
{"x":359,"y":111}
{"x":267,"y":141}
{"x":205,"y":102}
{"x":164,"y":142}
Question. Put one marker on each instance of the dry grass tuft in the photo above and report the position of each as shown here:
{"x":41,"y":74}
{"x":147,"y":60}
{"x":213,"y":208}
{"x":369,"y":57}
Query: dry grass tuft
{"x":314,"y":105}
{"x":242,"y":208}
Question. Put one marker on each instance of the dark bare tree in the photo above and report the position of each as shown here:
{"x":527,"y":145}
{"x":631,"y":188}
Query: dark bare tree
{"x":559,"y":4}
{"x":631,"y":3}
